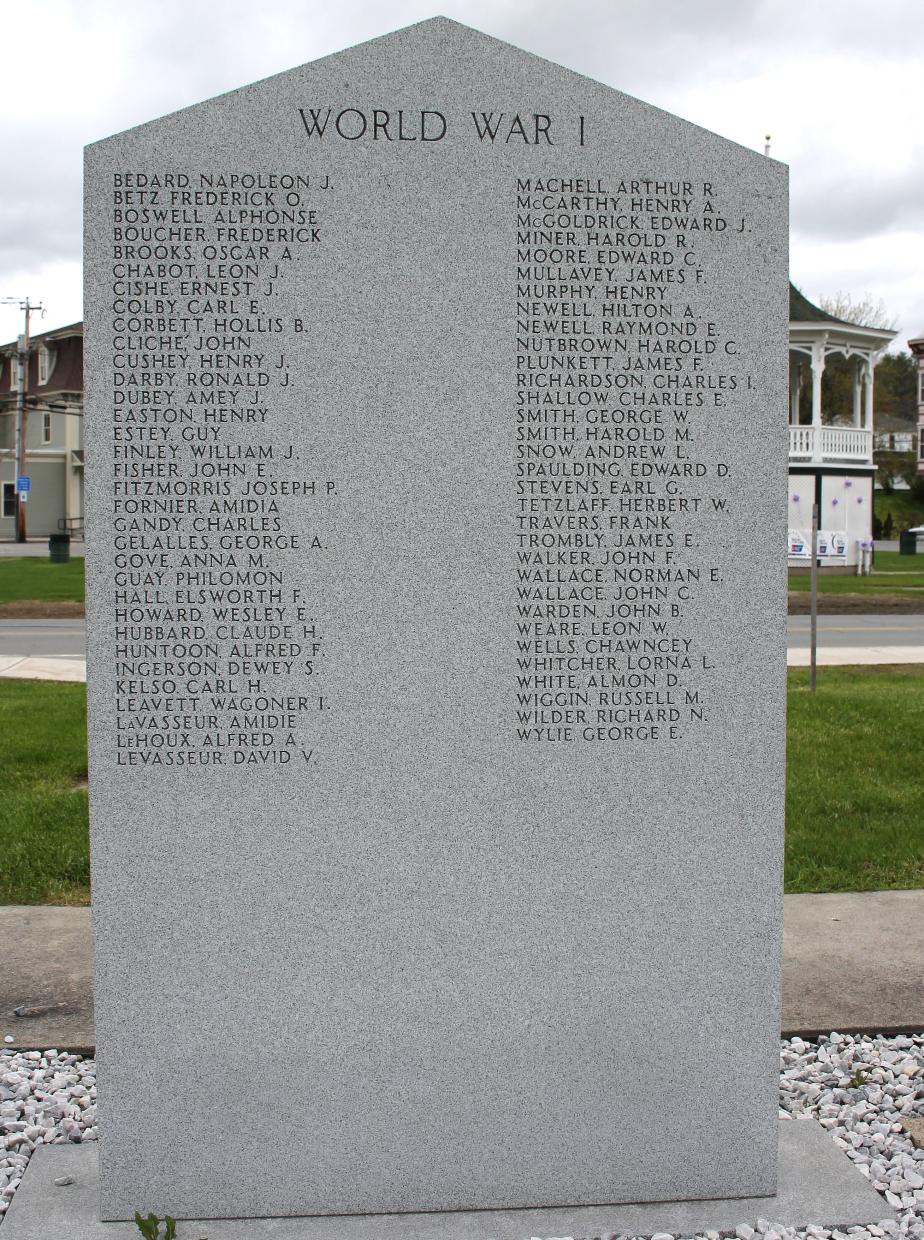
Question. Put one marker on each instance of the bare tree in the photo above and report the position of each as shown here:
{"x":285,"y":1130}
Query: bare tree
{"x":865,"y":311}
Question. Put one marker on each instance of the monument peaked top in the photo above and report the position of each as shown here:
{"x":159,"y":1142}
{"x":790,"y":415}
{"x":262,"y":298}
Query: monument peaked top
{"x":439,"y":55}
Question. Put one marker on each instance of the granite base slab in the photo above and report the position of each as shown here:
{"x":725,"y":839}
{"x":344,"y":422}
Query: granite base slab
{"x":817,"y":1184}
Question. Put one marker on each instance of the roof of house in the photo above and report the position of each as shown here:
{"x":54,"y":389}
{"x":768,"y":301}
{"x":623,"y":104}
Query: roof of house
{"x":72,"y":329}
{"x":66,"y":372}
{"x":889,"y":424}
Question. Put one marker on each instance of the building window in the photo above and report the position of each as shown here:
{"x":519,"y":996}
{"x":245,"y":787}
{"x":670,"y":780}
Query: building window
{"x":9,"y":499}
{"x":46,"y":428}
{"x":921,"y":389}
{"x":46,"y":362}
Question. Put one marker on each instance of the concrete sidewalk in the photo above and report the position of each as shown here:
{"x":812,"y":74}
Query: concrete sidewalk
{"x":18,"y":667}
{"x":844,"y":656}
{"x":36,"y":548}
{"x":15,"y":667}
{"x":852,"y":962}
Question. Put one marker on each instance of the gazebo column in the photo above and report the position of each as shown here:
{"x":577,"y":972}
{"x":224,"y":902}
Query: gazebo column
{"x":857,"y":384}
{"x":818,"y":369}
{"x":868,"y":394}
{"x":795,"y":367}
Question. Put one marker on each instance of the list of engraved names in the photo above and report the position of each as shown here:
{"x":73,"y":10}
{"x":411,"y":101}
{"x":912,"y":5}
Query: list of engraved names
{"x":218,"y":658}
{"x":616,"y":374}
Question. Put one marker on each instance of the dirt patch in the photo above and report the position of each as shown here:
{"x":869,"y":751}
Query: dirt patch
{"x":40,"y":609}
{"x":857,"y":604}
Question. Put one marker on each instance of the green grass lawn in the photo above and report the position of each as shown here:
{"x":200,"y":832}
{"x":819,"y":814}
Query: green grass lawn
{"x":854,"y":803}
{"x":34,"y":578}
{"x":894,"y":574}
{"x":41,"y":581}
{"x":855,"y":779}
{"x":44,"y":848}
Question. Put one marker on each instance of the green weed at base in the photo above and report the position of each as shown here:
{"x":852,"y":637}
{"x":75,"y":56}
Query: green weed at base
{"x":150,"y":1227}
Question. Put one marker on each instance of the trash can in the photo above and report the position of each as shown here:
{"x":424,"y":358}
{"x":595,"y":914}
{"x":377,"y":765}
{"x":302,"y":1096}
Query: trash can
{"x":910,"y":542}
{"x":59,"y":548}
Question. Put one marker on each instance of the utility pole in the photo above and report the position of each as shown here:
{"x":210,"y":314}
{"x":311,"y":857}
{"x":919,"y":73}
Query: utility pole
{"x":813,"y":674}
{"x":22,"y":384}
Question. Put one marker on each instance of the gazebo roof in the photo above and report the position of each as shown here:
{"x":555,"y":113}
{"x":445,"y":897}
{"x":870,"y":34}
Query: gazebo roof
{"x":801,"y":310}
{"x":808,"y":323}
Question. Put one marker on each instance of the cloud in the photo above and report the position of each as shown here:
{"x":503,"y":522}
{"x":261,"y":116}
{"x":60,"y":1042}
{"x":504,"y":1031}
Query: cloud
{"x":851,"y":204}
{"x":885,"y":266}
{"x":42,"y":221}
{"x":835,"y":82}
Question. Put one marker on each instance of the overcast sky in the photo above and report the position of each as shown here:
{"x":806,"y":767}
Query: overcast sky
{"x":837,"y":83}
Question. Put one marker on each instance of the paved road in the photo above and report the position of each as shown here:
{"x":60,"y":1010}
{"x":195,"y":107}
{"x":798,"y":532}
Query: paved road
{"x":67,"y":638}
{"x":854,"y":631}
{"x":56,"y":649}
{"x":51,"y":639}
{"x":35,"y":547}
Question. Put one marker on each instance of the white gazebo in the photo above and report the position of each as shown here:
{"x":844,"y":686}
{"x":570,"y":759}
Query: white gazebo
{"x":830,"y":464}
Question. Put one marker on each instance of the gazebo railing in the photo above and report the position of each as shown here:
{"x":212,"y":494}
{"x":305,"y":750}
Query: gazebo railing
{"x":851,"y":445}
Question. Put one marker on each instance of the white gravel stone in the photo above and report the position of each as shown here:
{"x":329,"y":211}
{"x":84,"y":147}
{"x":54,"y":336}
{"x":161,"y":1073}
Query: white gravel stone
{"x":47,"y":1098}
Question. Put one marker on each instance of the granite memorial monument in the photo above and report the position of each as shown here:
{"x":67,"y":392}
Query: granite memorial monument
{"x":436,"y":653}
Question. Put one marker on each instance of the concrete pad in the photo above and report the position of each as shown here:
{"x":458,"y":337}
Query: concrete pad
{"x":44,"y":669}
{"x":46,"y":979}
{"x":840,"y":656}
{"x":817,"y":1184}
{"x":854,"y":961}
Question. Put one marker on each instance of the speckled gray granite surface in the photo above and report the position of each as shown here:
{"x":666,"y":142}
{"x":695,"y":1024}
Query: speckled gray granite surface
{"x":504,"y":972}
